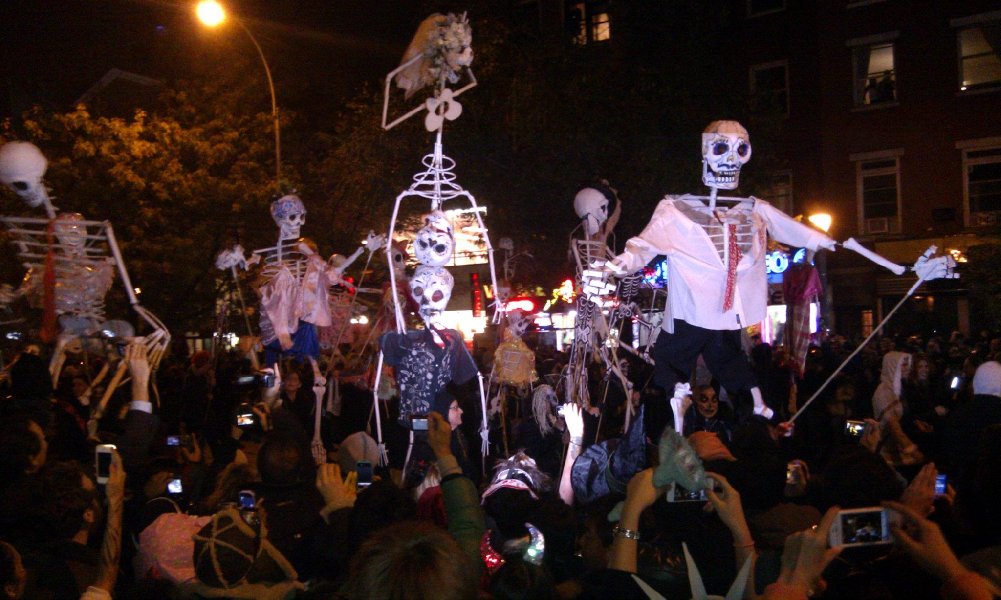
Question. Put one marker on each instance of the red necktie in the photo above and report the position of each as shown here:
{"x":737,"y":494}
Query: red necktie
{"x":733,"y":257}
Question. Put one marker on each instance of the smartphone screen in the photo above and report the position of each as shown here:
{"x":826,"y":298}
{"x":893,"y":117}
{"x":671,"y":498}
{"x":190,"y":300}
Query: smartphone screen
{"x":955,"y":383}
{"x":861,"y":527}
{"x":854,"y":428}
{"x":419,"y":424}
{"x":175,"y":487}
{"x":173,"y":440}
{"x":941,"y":481}
{"x":103,"y":459}
{"x":364,"y":469}
{"x":245,"y":419}
{"x":248,"y":501}
{"x":677,"y":493}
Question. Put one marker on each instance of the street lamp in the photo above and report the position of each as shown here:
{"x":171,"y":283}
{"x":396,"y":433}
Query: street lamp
{"x":823,"y":221}
{"x":212,"y":14}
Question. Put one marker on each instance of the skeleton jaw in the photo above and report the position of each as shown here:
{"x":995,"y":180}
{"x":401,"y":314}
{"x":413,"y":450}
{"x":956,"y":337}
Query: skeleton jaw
{"x":726,"y":178}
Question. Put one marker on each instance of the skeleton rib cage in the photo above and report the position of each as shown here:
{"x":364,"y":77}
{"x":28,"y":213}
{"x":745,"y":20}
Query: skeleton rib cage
{"x":80,"y":271}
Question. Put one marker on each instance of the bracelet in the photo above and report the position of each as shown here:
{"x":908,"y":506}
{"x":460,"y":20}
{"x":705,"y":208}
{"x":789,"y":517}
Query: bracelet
{"x":748,"y":545}
{"x":629,"y":534}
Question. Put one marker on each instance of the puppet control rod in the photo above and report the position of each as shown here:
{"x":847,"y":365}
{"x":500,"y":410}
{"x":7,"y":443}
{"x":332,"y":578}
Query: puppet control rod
{"x":923,"y":275}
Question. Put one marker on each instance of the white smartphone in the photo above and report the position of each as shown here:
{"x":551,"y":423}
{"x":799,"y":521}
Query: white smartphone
{"x":861,"y":527}
{"x":102,"y":461}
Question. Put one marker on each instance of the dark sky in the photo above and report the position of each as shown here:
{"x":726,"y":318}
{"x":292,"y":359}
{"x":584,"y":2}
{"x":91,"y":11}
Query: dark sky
{"x":52,"y":51}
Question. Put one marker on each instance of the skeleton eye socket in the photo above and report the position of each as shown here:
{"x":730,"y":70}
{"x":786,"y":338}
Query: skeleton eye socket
{"x":743,"y":149}
{"x":440,"y":248}
{"x":418,"y":291}
{"x":720,"y":148}
{"x":20,"y":186}
{"x":423,"y":244}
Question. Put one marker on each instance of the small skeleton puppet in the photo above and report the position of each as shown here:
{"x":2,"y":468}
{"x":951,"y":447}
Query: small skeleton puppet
{"x":591,"y":253}
{"x":545,"y":406}
{"x":715,"y":257}
{"x":514,"y":367}
{"x":343,"y":294}
{"x":71,"y":263}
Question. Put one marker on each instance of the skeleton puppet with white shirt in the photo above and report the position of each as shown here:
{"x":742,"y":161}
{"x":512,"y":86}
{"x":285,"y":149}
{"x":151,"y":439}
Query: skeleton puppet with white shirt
{"x":716,"y":265}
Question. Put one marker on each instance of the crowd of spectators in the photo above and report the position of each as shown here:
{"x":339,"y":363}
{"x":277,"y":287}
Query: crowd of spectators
{"x":217,"y":486}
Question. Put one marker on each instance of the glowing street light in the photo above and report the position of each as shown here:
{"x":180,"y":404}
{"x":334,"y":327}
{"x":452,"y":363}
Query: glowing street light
{"x":821,"y":221}
{"x":211,"y":14}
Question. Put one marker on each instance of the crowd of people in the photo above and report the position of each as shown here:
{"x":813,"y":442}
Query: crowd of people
{"x":215,"y":485}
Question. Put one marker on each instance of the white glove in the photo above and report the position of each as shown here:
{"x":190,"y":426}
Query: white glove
{"x":680,"y":402}
{"x":595,"y":284}
{"x":939,"y":267}
{"x":374,"y":242}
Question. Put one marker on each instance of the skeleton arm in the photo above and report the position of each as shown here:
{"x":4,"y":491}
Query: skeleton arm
{"x":927,"y":267}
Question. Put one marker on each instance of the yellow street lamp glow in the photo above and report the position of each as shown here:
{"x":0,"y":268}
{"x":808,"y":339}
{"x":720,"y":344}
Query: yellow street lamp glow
{"x":210,"y":13}
{"x":821,"y":221}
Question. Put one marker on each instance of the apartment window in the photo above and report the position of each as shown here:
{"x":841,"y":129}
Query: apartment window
{"x":980,"y":55}
{"x":875,"y":75}
{"x":763,"y":7}
{"x":589,"y":22}
{"x":982,"y":179}
{"x":779,"y":192}
{"x":878,"y":190}
{"x":770,"y":88}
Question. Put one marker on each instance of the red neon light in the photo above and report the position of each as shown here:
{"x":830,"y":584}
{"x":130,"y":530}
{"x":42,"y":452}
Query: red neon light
{"x":477,"y":299}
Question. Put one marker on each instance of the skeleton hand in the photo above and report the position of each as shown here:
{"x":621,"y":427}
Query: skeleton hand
{"x":227,"y":259}
{"x":375,"y":242}
{"x":253,"y":260}
{"x":595,"y":284}
{"x":940,"y":267}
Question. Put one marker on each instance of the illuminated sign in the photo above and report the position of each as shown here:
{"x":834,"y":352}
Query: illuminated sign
{"x":527,"y":305}
{"x":778,"y":261}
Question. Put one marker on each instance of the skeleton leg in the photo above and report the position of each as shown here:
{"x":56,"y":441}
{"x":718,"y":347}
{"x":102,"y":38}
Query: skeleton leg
{"x":383,"y":455}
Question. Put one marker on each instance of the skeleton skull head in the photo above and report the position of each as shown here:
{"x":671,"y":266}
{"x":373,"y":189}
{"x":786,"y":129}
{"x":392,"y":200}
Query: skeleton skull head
{"x":726,"y":148}
{"x":591,"y":205}
{"x":290,"y":215}
{"x":72,"y":234}
{"x":435,"y":241}
{"x":431,"y":288}
{"x":518,"y":323}
{"x":398,"y":259}
{"x":22,"y":167}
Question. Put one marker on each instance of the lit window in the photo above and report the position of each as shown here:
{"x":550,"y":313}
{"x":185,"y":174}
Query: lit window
{"x":878,"y":185}
{"x":770,"y":88}
{"x":980,"y":56}
{"x":875,"y":74}
{"x":600,"y":28}
{"x":982,"y":179}
{"x":588,"y":22}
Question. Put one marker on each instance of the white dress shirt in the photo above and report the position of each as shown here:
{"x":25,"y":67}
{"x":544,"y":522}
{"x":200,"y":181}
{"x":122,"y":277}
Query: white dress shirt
{"x":696,"y":242}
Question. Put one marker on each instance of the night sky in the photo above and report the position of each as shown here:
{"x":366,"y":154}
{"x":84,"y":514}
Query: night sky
{"x":52,"y":51}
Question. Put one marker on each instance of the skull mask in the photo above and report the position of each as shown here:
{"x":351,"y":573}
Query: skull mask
{"x":518,"y":323}
{"x":71,"y":233}
{"x":398,"y":259}
{"x":290,"y":215}
{"x":22,"y":166}
{"x":435,"y":242}
{"x":726,"y":148}
{"x":431,"y":288}
{"x":591,"y":205}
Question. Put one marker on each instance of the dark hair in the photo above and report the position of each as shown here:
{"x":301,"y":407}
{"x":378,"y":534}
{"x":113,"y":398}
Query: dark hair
{"x":64,"y":500}
{"x":18,"y":445}
{"x":517,"y":580}
{"x":856,"y":478}
{"x":414,"y":560}
{"x":282,"y":460}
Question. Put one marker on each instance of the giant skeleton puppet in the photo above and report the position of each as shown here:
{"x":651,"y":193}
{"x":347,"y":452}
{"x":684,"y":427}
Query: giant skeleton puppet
{"x":598,"y":317}
{"x":71,"y":266}
{"x":425,"y":361}
{"x":715,"y":248}
{"x":295,"y":288}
